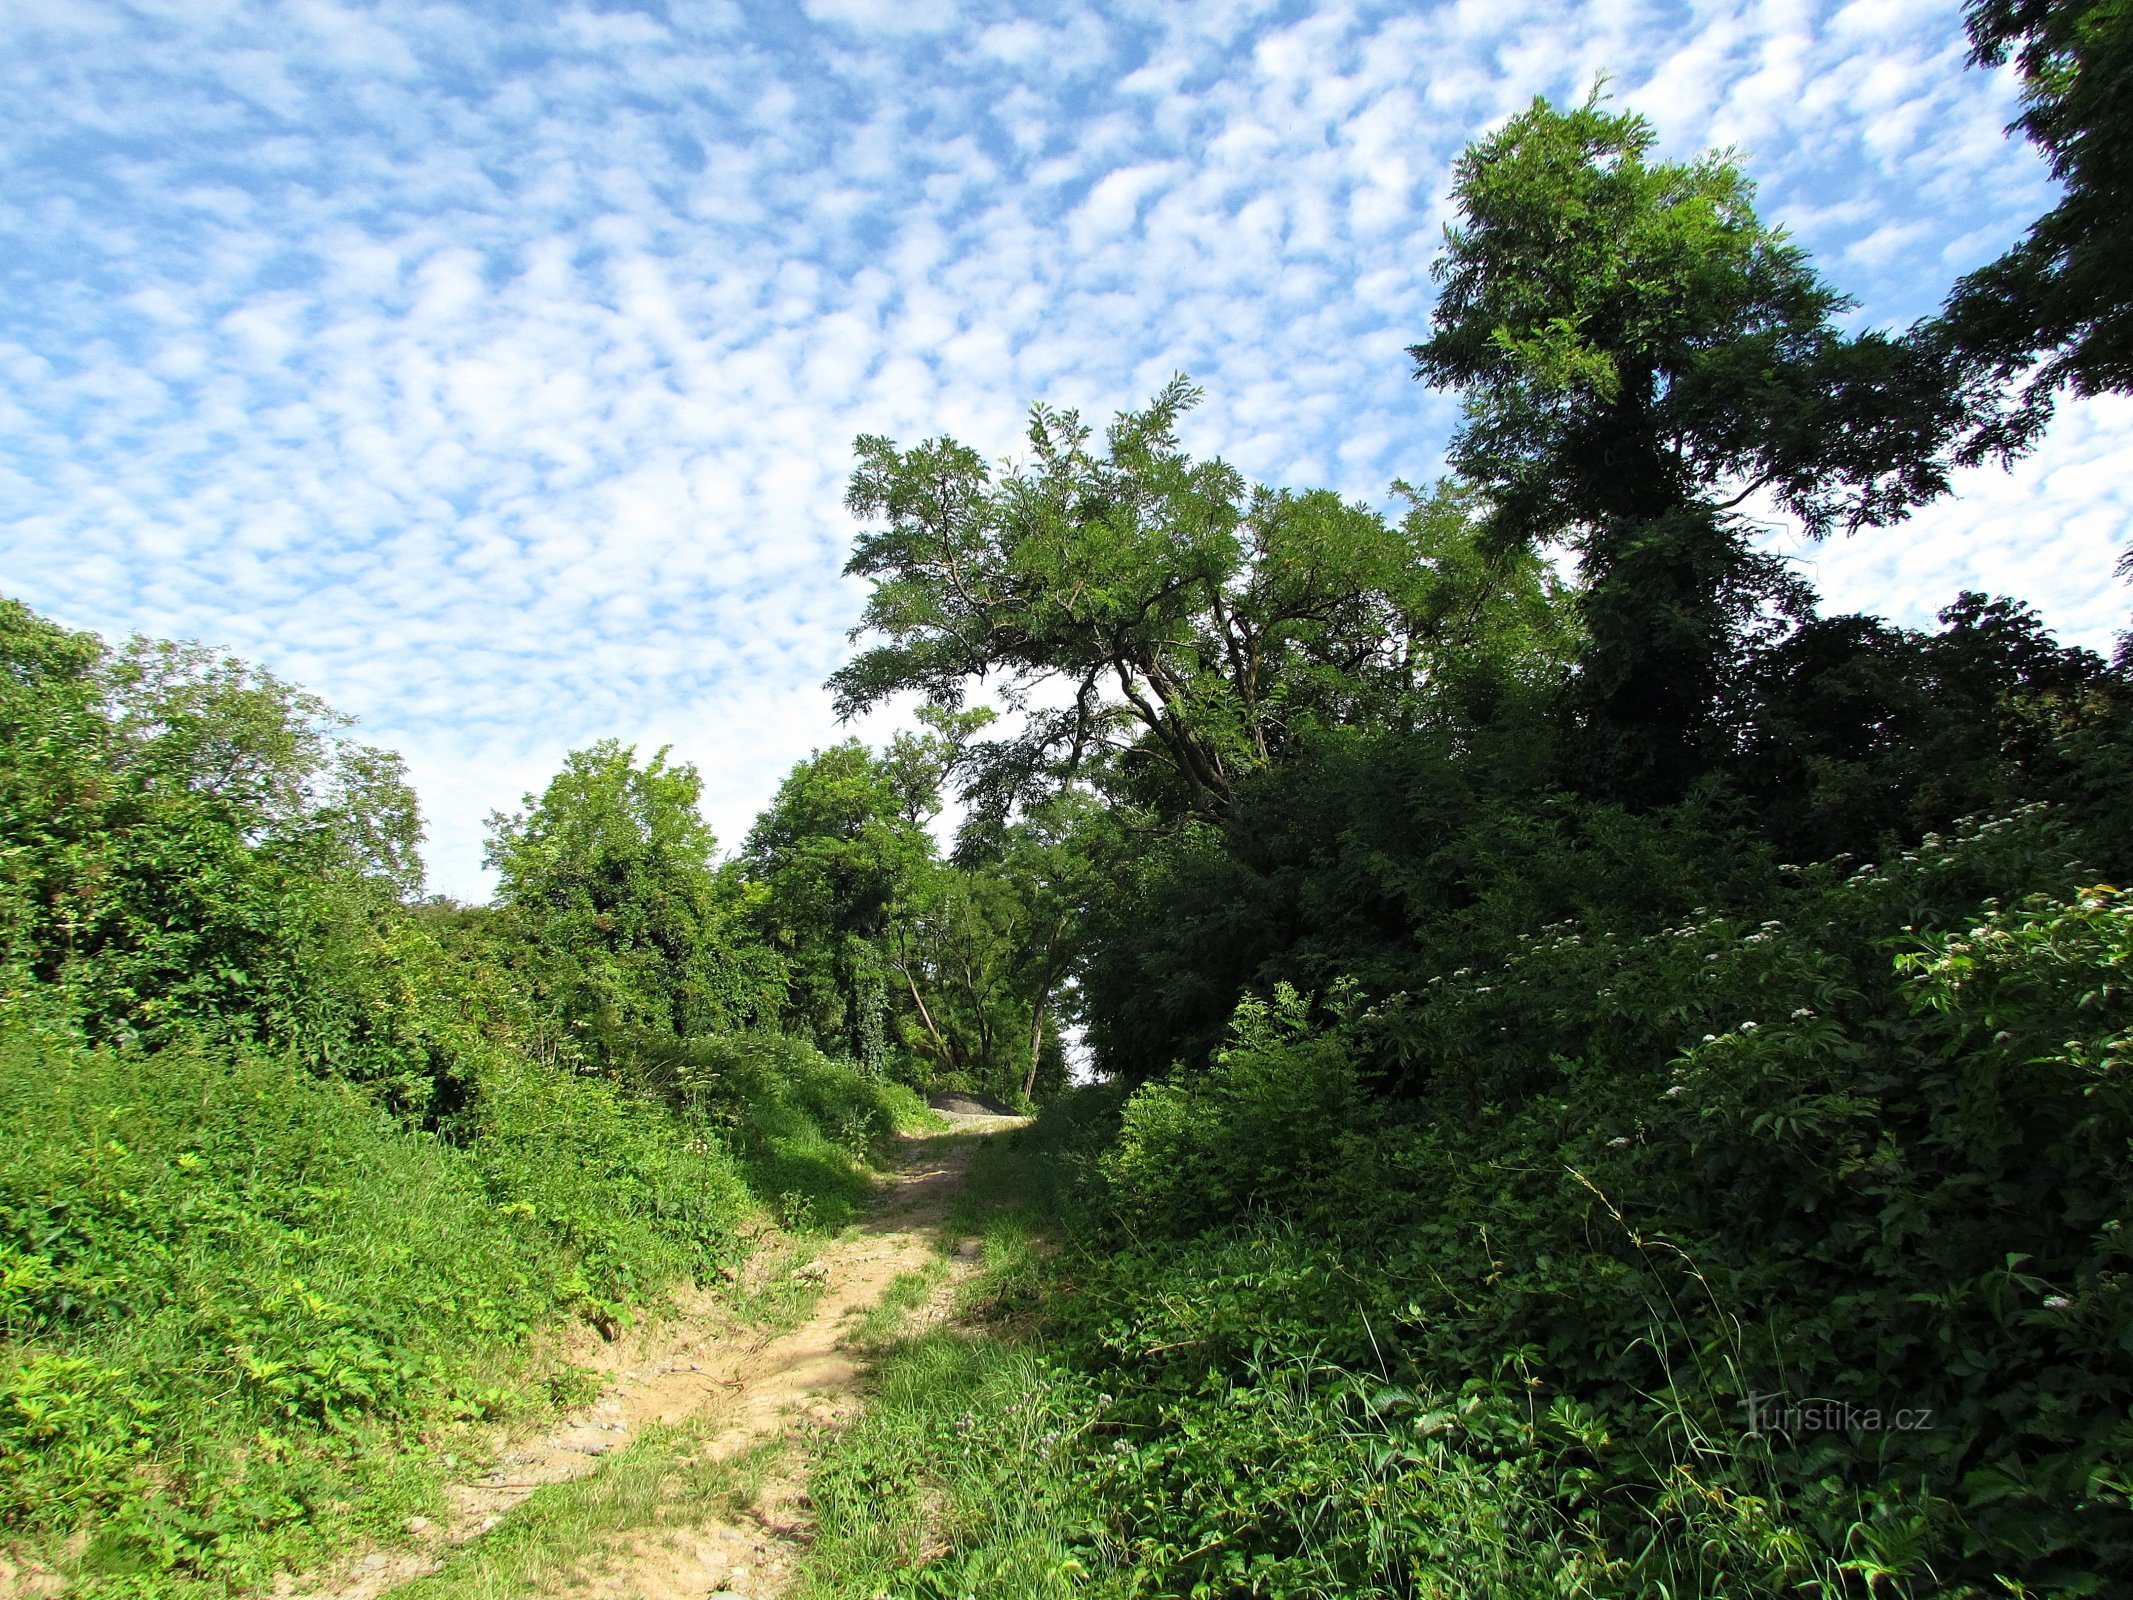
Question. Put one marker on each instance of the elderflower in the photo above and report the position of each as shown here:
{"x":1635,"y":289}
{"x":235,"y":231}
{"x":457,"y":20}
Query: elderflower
{"x":2056,"y":1302}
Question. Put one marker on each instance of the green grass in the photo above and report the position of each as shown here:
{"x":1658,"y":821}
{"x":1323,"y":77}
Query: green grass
{"x":996,"y":1458}
{"x":905,"y":1294}
{"x":956,"y":1480}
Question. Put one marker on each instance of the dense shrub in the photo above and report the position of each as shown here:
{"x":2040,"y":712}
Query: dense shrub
{"x":800,"y":1124}
{"x":1745,"y":1255}
{"x":231,"y":1288}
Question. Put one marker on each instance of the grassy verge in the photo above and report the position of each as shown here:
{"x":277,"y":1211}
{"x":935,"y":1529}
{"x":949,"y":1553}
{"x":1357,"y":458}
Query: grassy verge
{"x":954,"y":1481}
{"x":1019,"y":1454}
{"x":964,"y":1475}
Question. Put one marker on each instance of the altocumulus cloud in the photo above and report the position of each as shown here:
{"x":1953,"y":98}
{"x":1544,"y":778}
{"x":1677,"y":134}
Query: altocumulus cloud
{"x":492,"y":369}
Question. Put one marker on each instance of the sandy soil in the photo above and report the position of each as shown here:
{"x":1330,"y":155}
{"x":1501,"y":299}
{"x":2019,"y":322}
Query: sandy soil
{"x":748,"y":1386}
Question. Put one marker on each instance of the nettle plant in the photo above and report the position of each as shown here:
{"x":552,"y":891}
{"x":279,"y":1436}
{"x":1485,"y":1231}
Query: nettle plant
{"x":1649,"y":1211}
{"x":1872,"y":1149}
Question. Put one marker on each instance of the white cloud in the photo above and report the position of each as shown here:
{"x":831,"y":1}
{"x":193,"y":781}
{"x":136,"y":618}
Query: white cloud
{"x":495,"y":373}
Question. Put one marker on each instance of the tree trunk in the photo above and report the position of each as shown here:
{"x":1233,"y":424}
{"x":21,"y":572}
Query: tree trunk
{"x":1036,"y":1040}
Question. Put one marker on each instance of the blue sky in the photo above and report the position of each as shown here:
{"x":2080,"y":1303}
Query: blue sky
{"x":491,"y":369}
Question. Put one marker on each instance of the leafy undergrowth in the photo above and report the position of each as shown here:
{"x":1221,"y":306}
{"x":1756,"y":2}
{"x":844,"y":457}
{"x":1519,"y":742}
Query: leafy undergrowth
{"x":1754,"y":1256}
{"x":248,"y":1315}
{"x":799,"y":1124}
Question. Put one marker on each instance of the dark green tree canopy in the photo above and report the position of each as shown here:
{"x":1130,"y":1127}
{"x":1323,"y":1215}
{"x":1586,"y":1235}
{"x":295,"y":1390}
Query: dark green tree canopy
{"x":1130,"y":604}
{"x":1630,"y":337}
{"x":2058,"y":307}
{"x":1639,"y":355}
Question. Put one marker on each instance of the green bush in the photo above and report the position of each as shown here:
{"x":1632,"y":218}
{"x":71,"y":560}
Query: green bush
{"x":1196,"y":1151}
{"x":234,"y":1296}
{"x":800,"y":1124}
{"x":1586,"y":1310}
{"x":638,"y":1196}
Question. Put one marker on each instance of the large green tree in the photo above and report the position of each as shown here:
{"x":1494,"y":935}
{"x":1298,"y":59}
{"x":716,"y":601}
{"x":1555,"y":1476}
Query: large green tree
{"x":632,"y":933}
{"x":839,"y":845}
{"x":1640,"y":356}
{"x":1129,"y":604}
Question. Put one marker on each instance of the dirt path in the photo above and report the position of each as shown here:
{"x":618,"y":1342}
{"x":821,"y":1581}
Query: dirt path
{"x":742,"y":1386}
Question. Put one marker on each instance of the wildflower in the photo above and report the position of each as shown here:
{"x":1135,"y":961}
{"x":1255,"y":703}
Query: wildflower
{"x":1748,"y":1027}
{"x":1677,"y":1091}
{"x":1710,"y":1038}
{"x":1803,"y":1014}
{"x":1618,"y":1143}
{"x":2057,"y":1302}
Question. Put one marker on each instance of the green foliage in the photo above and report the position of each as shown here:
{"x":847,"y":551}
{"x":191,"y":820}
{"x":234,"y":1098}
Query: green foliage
{"x":632,"y":933}
{"x":1859,"y":733}
{"x":800,"y":1124}
{"x":1196,"y":625}
{"x":1638,"y":354}
{"x":993,"y":1463}
{"x":1584,"y":1159}
{"x":1649,"y":1194}
{"x":1629,"y":337}
{"x":963,"y":1477}
{"x":1387,"y":858}
{"x":1193,"y":1152}
{"x":942,"y":973}
{"x":192,"y":844}
{"x":840,"y":844}
{"x":295,"y":1165}
{"x":234,"y":1296}
{"x":2056,"y":310}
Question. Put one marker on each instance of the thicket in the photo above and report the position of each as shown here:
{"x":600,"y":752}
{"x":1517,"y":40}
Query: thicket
{"x":1762,"y":1251}
{"x":1617,"y":1079}
{"x":298,"y":1163}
